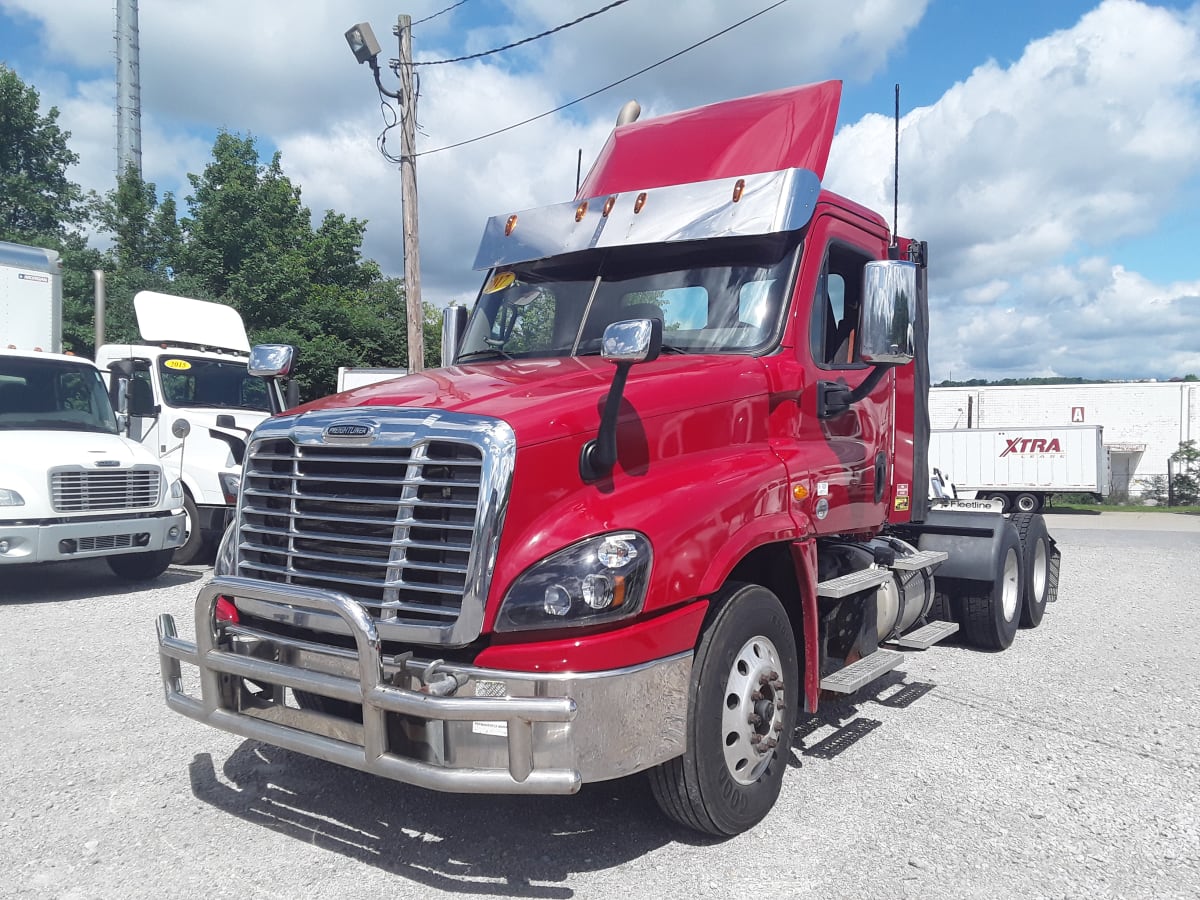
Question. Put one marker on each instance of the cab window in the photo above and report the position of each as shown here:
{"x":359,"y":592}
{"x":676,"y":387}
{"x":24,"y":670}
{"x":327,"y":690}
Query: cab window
{"x":836,"y":308}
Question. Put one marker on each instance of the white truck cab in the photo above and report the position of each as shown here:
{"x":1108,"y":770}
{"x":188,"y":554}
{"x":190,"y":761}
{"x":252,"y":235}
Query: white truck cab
{"x":191,"y":368}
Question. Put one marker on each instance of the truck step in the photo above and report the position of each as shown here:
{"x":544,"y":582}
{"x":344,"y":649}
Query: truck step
{"x":920,"y":560}
{"x":864,"y":671}
{"x":925,"y":636}
{"x":852,"y":583}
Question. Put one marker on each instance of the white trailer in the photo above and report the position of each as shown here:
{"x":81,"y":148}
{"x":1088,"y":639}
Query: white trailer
{"x":191,"y":366}
{"x":71,"y":485}
{"x":1021,"y":467}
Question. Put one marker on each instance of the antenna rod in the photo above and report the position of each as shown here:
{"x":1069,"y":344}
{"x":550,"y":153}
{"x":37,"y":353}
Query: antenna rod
{"x":896,"y":178}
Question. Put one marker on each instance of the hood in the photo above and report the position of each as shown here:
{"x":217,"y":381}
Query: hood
{"x":544,"y":399}
{"x":49,"y":449}
{"x":789,"y":128}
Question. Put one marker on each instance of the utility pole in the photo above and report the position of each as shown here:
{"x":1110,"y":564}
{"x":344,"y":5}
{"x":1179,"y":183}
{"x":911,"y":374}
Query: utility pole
{"x":408,"y":197}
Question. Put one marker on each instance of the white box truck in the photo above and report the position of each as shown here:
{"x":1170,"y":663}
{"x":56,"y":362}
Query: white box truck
{"x":191,"y":366}
{"x":71,"y":485}
{"x":1022,"y":467}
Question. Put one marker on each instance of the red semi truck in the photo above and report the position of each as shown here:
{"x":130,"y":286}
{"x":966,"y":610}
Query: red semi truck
{"x":669,"y":487}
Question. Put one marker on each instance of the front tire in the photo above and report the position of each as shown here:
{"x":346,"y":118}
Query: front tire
{"x":194,"y":544}
{"x":141,"y":566}
{"x":743,"y":699}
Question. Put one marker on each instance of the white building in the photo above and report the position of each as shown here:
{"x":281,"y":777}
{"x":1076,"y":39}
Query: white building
{"x":1143,"y":422}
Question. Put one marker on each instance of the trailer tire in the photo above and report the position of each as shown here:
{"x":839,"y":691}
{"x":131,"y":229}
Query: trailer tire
{"x":725,"y":783}
{"x":1035,"y":555}
{"x":1005,"y":501}
{"x":991,"y":611}
{"x":194,"y":544}
{"x":141,"y":566}
{"x":1026,"y":502}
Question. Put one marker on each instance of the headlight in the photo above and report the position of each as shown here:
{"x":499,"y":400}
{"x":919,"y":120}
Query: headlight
{"x":226,"y":561}
{"x":595,"y":581}
{"x":9,"y":497}
{"x":231,"y":482}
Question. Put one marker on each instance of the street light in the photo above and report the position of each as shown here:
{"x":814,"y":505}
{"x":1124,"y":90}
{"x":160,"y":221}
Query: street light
{"x":366,"y":49}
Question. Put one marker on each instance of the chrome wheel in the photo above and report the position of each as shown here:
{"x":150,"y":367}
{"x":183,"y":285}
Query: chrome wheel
{"x":752,"y":720}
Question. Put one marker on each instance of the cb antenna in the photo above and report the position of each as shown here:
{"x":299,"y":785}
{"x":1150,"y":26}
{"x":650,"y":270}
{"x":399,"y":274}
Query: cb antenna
{"x":896,"y":175}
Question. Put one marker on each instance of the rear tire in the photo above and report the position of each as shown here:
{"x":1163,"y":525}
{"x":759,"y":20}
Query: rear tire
{"x":1005,"y":502}
{"x":992,"y":612}
{"x":729,"y":777}
{"x":1026,"y":502}
{"x":141,"y":566}
{"x":1035,"y":555}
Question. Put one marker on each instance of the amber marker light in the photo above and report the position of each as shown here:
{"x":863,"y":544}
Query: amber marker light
{"x":581,"y":211}
{"x":510,"y":225}
{"x":799,"y":491}
{"x":609,"y":204}
{"x":738,"y":187}
{"x":639,"y":203}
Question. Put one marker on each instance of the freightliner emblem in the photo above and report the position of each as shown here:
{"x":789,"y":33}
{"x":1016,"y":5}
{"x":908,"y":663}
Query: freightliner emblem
{"x":347,"y":430}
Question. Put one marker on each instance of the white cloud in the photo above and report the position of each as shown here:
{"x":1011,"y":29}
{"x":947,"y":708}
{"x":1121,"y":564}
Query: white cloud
{"x":1089,"y":137}
{"x":1021,"y":176}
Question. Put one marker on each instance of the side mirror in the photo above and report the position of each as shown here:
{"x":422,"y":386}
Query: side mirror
{"x":274,"y":363}
{"x":624,"y":344}
{"x":889,"y":312}
{"x":454,"y":323}
{"x":632,"y":341}
{"x":272,"y":360}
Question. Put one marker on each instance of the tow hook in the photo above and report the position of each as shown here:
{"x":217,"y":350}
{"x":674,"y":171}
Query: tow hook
{"x":441,"y":684}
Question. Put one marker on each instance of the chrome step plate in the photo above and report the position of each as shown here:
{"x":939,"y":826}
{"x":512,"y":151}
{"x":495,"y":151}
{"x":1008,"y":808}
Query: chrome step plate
{"x":923,"y":559}
{"x":864,"y":671}
{"x":925,"y":636}
{"x":852,"y":583}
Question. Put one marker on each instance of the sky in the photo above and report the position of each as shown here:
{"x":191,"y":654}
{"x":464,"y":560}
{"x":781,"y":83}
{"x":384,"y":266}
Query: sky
{"x":1049,"y":151}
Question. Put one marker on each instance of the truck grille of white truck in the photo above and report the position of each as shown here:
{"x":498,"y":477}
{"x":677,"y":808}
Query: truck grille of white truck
{"x":82,"y":490}
{"x":399,"y":520}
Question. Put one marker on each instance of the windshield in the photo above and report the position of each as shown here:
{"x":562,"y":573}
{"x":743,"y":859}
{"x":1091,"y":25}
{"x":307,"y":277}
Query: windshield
{"x":53,"y":395}
{"x":712,"y":297}
{"x":192,"y":381}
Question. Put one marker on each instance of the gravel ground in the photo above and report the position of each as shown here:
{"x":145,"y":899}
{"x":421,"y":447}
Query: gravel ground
{"x":1065,"y":767}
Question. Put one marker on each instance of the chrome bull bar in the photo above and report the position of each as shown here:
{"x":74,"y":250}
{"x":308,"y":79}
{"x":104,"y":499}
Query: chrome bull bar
{"x":371,"y":689}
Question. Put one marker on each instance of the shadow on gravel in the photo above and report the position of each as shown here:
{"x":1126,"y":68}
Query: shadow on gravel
{"x":82,"y":580}
{"x":500,"y":845}
{"x":838,"y":725}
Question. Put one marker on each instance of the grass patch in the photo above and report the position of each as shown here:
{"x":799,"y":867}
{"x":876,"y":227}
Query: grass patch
{"x":1122,"y":507}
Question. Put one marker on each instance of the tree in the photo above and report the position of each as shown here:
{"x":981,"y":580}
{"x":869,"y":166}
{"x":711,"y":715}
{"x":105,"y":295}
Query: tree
{"x":1185,"y":478}
{"x":38,"y":202}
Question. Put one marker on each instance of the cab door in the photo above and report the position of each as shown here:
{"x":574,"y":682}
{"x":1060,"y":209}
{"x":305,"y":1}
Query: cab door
{"x":846,"y":449}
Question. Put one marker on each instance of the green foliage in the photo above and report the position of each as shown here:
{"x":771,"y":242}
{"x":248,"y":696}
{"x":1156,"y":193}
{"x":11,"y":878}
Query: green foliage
{"x":1185,"y":482}
{"x":39,"y":204}
{"x":246,"y":239}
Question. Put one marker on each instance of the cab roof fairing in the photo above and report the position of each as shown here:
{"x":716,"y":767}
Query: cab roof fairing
{"x":739,"y":206}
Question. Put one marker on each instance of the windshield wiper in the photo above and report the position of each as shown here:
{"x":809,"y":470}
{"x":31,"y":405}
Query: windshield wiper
{"x":494,"y":353}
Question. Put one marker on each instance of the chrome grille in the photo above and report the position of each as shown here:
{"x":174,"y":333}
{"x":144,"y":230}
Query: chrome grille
{"x":79,"y":490}
{"x":396,"y":521}
{"x":104,"y":542}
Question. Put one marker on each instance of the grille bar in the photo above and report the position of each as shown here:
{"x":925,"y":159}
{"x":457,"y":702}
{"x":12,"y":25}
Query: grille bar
{"x":402,"y":522}
{"x":81,"y":490}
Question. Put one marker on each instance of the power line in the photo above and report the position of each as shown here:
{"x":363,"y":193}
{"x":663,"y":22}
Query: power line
{"x":438,"y":13}
{"x":442,"y":62}
{"x":607,"y":87}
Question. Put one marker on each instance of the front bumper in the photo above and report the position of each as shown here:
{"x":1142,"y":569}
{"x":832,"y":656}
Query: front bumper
{"x":424,"y":722}
{"x":80,"y":539}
